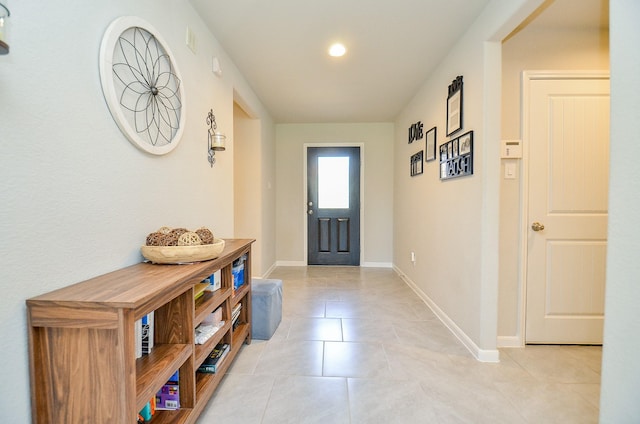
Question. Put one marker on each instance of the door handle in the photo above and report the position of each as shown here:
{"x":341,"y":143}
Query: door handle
{"x":310,"y":211}
{"x":536,"y":226}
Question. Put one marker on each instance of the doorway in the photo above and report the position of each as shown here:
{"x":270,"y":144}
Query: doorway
{"x":566,"y":128}
{"x":333,"y":205}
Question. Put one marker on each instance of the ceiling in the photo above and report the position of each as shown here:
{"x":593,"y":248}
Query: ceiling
{"x":280,"y":46}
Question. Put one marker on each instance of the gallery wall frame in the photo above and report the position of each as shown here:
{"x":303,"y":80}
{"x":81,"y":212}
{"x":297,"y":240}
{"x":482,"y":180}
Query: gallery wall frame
{"x":454,"y":106}
{"x":430,"y":145}
{"x":456,"y":157}
{"x":417,"y":164}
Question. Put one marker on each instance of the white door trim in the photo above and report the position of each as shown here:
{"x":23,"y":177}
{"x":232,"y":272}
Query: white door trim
{"x":305,"y":232}
{"x":527,"y":78}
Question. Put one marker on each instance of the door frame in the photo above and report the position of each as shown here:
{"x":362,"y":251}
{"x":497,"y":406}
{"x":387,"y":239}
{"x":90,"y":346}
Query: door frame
{"x":527,"y":78}
{"x":303,"y":209}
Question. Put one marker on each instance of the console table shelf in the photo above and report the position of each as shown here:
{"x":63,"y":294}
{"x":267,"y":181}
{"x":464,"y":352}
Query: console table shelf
{"x":82,"y":340}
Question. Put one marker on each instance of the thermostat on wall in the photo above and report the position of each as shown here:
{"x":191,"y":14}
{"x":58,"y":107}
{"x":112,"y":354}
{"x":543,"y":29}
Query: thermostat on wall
{"x":511,"y":149}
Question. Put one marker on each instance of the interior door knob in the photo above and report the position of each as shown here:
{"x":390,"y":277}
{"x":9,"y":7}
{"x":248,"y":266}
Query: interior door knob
{"x":310,"y":211}
{"x":536,"y":226}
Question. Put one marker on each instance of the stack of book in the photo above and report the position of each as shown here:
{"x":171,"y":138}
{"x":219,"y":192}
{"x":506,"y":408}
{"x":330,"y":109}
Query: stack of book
{"x":213,"y":362}
{"x":209,"y":326}
{"x":168,"y":398}
{"x":144,"y":334}
{"x":235,"y":314}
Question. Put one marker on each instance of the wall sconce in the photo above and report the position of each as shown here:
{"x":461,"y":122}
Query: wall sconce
{"x":215,"y":139}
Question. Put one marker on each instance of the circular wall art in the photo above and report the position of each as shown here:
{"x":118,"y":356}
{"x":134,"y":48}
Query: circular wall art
{"x":142,"y":85}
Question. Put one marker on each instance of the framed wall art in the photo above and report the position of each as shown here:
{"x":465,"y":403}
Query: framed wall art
{"x":454,"y":106}
{"x":430,"y":145}
{"x":456,"y":157}
{"x":142,"y":85}
{"x":417,"y":164}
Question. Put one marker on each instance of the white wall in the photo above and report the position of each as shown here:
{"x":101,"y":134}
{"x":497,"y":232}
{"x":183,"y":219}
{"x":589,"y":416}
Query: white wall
{"x":376,"y":200}
{"x":77,"y":199}
{"x":250,"y":189}
{"x":620,"y":366}
{"x":452,"y":226}
{"x":531,"y":49}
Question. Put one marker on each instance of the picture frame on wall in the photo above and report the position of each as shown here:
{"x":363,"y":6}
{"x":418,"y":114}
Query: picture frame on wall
{"x":454,"y":106}
{"x":417,"y":166}
{"x":465,"y":143}
{"x":456,"y":157}
{"x":430,"y":145}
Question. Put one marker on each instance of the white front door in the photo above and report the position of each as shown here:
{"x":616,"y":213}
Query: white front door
{"x":566,"y":128}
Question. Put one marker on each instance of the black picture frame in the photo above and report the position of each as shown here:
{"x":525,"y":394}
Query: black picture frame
{"x":456,"y":157}
{"x":430,"y":145}
{"x":454,"y":106}
{"x":417,"y":165}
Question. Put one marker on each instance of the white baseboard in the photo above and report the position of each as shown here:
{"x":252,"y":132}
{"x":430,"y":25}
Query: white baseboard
{"x":482,"y":355}
{"x":510,"y":341}
{"x":269,"y":271}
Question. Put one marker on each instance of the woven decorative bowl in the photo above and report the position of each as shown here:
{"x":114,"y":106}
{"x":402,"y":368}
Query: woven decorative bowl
{"x":183,"y":254}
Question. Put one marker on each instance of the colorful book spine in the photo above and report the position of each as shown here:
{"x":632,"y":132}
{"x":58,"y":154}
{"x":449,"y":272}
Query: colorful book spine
{"x":215,"y":358}
{"x":147,"y":333}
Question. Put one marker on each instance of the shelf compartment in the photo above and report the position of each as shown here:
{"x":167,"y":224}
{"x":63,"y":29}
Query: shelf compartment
{"x":209,"y":302}
{"x":153,"y":370}
{"x":240,"y":334}
{"x":240,"y":293}
{"x":203,"y":350}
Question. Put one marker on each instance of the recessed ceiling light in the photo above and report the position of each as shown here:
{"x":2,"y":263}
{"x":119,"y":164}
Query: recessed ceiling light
{"x":337,"y":50}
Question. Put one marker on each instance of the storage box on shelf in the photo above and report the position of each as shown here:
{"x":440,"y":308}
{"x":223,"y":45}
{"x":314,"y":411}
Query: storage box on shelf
{"x":82,"y":340}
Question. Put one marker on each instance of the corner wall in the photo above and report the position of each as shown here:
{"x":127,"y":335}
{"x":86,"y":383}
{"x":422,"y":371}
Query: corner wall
{"x":620,"y":383}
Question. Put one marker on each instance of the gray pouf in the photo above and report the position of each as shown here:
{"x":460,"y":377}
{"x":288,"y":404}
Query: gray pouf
{"x":266,"y":307}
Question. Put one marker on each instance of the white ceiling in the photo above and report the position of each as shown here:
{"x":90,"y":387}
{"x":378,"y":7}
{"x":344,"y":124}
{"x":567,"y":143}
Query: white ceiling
{"x":280,"y":46}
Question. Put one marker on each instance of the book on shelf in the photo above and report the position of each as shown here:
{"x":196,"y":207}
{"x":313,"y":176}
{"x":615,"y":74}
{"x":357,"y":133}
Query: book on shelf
{"x":146,"y":414}
{"x":138,"y":337}
{"x":168,"y":397}
{"x":237,"y":272}
{"x":205,"y":331}
{"x":236,"y":312}
{"x":214,"y":281}
{"x":147,"y":333}
{"x":199,"y":289}
{"x":213,"y":362}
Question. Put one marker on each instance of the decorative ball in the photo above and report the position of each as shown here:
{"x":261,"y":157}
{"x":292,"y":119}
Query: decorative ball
{"x":205,"y":235}
{"x":189,"y":239}
{"x":164,"y":230}
{"x":178,"y":231}
{"x":170,"y":239}
{"x":155,"y":239}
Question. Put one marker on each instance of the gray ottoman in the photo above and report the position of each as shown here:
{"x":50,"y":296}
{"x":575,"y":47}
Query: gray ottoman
{"x":266,"y":307}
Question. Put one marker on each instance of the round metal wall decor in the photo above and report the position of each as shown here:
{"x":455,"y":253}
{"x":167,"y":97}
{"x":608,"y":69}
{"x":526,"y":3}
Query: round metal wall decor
{"x":142,"y":85}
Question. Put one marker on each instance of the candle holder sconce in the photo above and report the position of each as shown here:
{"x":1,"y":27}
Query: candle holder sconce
{"x":215,"y":139}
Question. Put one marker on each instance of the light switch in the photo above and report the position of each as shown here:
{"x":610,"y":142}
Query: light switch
{"x":510,"y":171}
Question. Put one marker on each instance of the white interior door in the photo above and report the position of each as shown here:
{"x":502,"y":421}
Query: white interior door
{"x":567,"y":132}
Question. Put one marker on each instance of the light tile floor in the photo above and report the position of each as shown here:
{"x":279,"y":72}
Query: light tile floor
{"x":357,"y":345}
